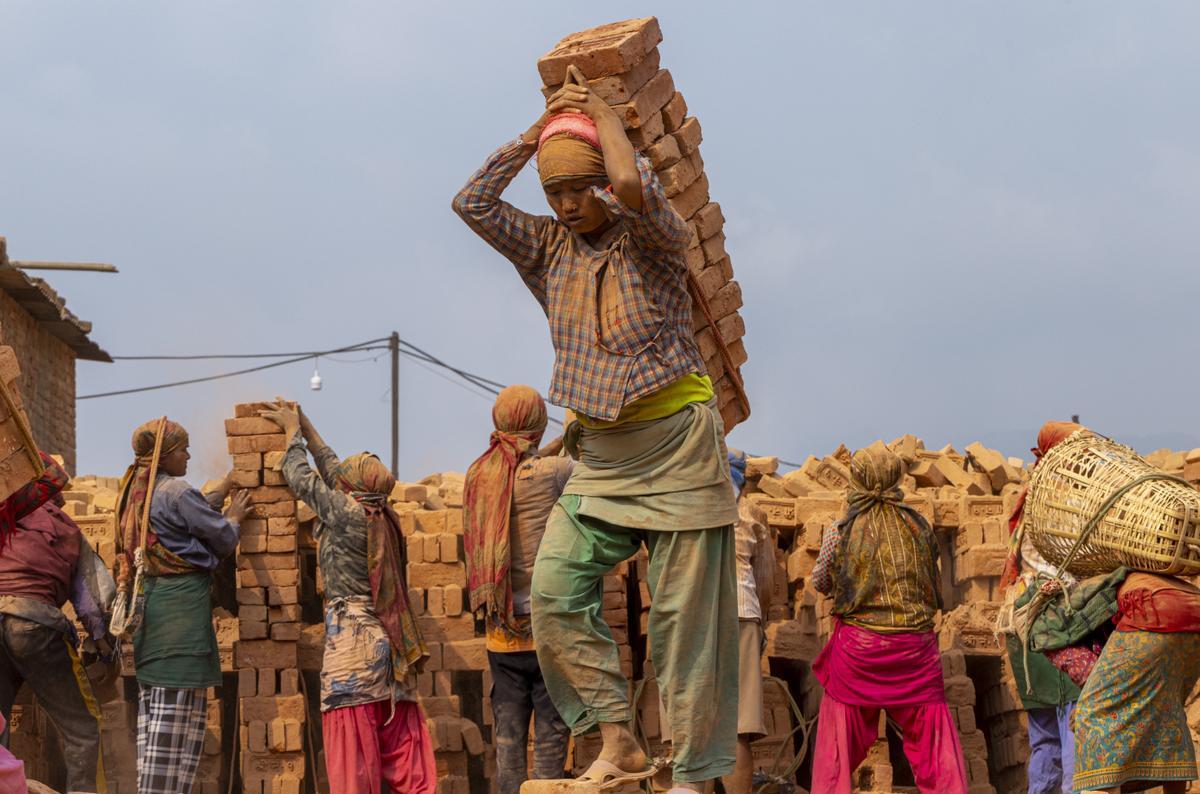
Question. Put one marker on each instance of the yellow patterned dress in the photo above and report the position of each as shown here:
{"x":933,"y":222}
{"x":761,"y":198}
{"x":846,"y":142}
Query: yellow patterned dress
{"x":1130,"y":723}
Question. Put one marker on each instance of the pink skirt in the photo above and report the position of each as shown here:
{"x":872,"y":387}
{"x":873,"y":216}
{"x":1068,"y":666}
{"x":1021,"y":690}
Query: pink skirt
{"x":860,"y":667}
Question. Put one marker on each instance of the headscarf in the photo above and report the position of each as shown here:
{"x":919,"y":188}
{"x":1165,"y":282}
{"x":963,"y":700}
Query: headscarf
{"x":569,"y":148}
{"x":1051,"y":435}
{"x":519,"y":417}
{"x":369,"y":482}
{"x":876,"y":520}
{"x":737,"y":470}
{"x":137,"y":490}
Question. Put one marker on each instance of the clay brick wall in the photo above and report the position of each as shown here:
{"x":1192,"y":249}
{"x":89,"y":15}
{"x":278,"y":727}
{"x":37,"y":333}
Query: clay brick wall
{"x":47,"y":382}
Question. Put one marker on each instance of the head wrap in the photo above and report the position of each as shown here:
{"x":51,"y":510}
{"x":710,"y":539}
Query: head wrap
{"x":569,"y":148}
{"x":519,"y":416}
{"x":877,"y":518}
{"x":369,"y":482}
{"x":364,"y":474}
{"x":137,"y":491}
{"x":737,"y":470}
{"x":1051,"y":435}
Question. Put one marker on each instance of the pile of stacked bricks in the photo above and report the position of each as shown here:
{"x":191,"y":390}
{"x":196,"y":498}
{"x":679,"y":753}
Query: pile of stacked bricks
{"x":622,"y":65}
{"x":271,"y":710}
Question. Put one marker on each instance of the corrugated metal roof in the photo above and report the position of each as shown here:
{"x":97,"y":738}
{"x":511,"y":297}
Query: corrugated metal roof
{"x":45,"y":305}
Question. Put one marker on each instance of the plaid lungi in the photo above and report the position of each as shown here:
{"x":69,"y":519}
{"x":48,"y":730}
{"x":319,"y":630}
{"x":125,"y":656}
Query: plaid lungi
{"x":170,"y":738}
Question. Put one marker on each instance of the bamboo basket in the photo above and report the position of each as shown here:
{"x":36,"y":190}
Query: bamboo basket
{"x":1095,"y":505}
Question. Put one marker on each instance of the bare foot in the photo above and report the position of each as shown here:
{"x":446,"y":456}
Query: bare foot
{"x":621,"y":748}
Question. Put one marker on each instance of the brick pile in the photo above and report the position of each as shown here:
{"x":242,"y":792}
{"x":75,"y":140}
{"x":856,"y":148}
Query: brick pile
{"x":271,"y":708}
{"x":622,"y":64}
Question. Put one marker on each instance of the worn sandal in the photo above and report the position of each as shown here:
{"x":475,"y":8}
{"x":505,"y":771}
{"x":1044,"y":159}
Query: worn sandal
{"x":608,"y":775}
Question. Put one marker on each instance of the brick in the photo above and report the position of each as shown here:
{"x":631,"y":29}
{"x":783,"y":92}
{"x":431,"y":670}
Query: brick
{"x":673,"y":113}
{"x":465,"y":654}
{"x":445,"y":629}
{"x":268,"y":562}
{"x":288,"y":707}
{"x":246,"y":479}
{"x":960,"y":691}
{"x":251,"y":426}
{"x":714,"y":247}
{"x":620,"y":88}
{"x":251,"y":595}
{"x":285,"y":613}
{"x":983,"y":560}
{"x":252,"y":612}
{"x":258,"y":736}
{"x":266,"y":682}
{"x":431,"y":548}
{"x":430,"y":521}
{"x":270,"y":493}
{"x":426,"y":574}
{"x":272,"y":477}
{"x":285,"y":632}
{"x":664,"y":152}
{"x":269,"y":510}
{"x":289,"y":682}
{"x":273,"y":459}
{"x":454,"y":600}
{"x":727,"y":301}
{"x":252,"y":629}
{"x":692,"y":199}
{"x":253,"y":544}
{"x":966,"y":719}
{"x":680,"y":176}
{"x":278,"y":596}
{"x":648,"y":101}
{"x":252,"y":526}
{"x":282,"y":525}
{"x":281,"y":543}
{"x":248,"y":461}
{"x":435,"y":603}
{"x":247,"y":682}
{"x":605,"y":50}
{"x":645,"y":136}
{"x":709,"y":220}
{"x":244,"y":410}
{"x":264,"y":653}
{"x":688,"y":136}
{"x":414,"y":549}
{"x":448,"y":548}
{"x":238,"y":445}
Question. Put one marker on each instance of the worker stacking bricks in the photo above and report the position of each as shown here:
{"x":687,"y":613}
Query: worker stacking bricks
{"x":622,"y":65}
{"x":271,"y":707}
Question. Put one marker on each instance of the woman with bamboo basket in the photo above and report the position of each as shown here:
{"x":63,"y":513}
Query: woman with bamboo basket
{"x":1097,"y":511}
{"x":172,"y":539}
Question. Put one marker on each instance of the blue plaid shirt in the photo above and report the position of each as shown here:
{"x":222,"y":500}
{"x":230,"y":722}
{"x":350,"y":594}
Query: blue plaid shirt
{"x":620,"y":313}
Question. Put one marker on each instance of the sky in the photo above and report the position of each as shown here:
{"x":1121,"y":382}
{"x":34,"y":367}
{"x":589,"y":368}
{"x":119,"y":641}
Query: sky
{"x":952,"y":219}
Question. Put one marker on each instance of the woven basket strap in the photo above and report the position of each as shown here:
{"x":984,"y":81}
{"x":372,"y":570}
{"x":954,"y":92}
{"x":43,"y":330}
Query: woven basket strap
{"x":145,"y":522}
{"x":1099,"y":516}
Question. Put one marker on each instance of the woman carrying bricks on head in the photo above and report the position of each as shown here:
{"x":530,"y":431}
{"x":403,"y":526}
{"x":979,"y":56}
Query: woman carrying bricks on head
{"x":373,"y":728}
{"x":608,"y":269}
{"x":507,"y":497}
{"x":880,"y":565}
{"x":174,"y":645}
{"x":20,"y":504}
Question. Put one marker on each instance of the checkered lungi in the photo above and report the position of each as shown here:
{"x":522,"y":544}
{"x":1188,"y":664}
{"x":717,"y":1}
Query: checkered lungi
{"x":170,"y":738}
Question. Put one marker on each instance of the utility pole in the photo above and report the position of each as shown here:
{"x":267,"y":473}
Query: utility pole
{"x":394,"y":347}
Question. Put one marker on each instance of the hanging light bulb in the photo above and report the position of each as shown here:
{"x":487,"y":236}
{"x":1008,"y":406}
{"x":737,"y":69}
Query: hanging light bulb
{"x":314,"y":382}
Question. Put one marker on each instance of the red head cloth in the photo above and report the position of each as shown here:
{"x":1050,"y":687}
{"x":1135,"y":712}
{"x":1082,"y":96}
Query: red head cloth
{"x":576,"y":125}
{"x":1051,"y":435}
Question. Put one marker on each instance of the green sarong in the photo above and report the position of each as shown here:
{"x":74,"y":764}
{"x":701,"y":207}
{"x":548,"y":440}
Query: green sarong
{"x":176,"y":646}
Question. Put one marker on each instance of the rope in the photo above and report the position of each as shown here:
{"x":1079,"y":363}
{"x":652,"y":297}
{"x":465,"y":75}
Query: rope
{"x":734,"y":375}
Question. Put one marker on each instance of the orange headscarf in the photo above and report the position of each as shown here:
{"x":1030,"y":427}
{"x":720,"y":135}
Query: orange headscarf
{"x":519,"y":416}
{"x":1051,"y":435}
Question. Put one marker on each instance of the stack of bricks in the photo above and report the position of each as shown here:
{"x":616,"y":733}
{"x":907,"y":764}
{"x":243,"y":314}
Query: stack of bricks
{"x":960,"y":697}
{"x":455,"y":678}
{"x":271,"y":708}
{"x":1007,"y":727}
{"x":621,"y":63}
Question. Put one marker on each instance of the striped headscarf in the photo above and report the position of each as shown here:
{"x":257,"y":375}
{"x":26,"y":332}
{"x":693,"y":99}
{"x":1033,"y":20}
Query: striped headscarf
{"x":137,"y":490}
{"x":886,"y":574}
{"x":369,"y":482}
{"x":519,"y":417}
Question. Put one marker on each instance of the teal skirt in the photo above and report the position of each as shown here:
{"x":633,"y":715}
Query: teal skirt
{"x":1130,"y":724}
{"x":176,"y":646}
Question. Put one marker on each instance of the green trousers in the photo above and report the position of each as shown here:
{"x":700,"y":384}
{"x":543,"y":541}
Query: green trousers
{"x":693,"y":631}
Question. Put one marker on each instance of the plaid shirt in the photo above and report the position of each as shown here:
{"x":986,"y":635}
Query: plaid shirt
{"x":620,"y":313}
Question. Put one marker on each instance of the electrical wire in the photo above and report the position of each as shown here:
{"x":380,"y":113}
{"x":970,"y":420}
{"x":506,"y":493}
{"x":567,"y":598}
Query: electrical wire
{"x":303,"y":354}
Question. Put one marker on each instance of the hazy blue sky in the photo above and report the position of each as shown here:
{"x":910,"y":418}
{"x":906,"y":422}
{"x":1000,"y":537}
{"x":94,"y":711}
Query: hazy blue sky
{"x":955,"y":219}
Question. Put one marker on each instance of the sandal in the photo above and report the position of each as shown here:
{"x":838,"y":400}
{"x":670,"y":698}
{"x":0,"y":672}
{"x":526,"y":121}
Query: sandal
{"x":607,"y":775}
